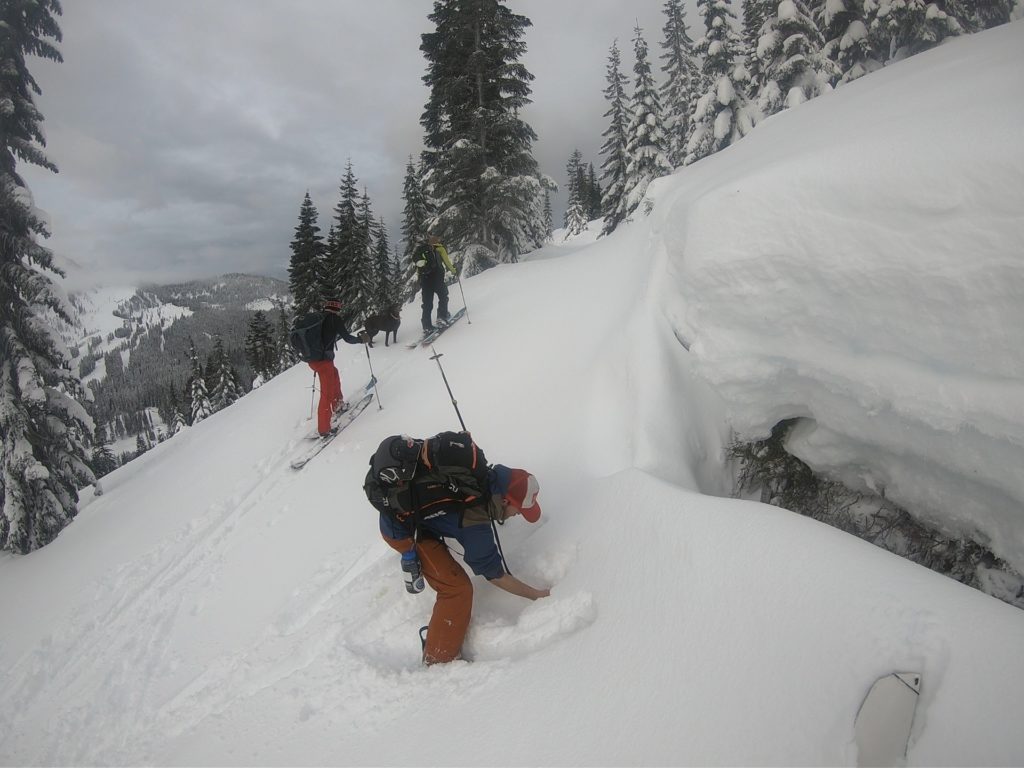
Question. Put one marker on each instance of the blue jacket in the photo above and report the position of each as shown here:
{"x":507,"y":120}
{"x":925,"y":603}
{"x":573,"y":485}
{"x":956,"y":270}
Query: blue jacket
{"x":477,"y":542}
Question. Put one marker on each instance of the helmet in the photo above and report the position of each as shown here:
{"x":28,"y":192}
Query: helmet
{"x":396,"y":459}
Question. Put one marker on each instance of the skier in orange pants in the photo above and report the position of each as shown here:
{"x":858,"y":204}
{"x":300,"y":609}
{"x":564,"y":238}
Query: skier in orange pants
{"x":424,"y":498}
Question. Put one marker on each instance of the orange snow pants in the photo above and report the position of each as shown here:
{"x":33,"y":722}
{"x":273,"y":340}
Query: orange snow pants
{"x":454,"y":603}
{"x":330,"y":393}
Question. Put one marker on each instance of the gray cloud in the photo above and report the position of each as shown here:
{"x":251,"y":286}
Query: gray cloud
{"x":187,"y":133}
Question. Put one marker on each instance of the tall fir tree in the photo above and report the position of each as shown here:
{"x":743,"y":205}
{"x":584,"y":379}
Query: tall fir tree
{"x":286,"y":356}
{"x":398,"y":274}
{"x":175,"y":419}
{"x":260,"y":349}
{"x":902,"y":28}
{"x":352,"y":273}
{"x":755,"y":15}
{"x":645,"y":136}
{"x":549,"y":222}
{"x":416,"y":217}
{"x":682,"y":80}
{"x":103,"y":460}
{"x":574,"y":218}
{"x":720,"y":117}
{"x":386,"y":288}
{"x":44,"y":458}
{"x":358,"y":292}
{"x":479,"y":163}
{"x":794,"y":67}
{"x":595,"y":196}
{"x":847,"y":42}
{"x":616,"y":159}
{"x":222,"y":378}
{"x":306,"y":269}
{"x":197,"y":396}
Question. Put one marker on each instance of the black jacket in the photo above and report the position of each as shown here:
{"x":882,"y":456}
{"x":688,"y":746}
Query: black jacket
{"x":332,"y":329}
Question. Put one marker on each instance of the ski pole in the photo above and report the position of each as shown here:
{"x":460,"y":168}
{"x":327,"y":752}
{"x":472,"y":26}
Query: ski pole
{"x":459,"y":278}
{"x":437,"y":356}
{"x":372,"y":377}
{"x":312,"y":395}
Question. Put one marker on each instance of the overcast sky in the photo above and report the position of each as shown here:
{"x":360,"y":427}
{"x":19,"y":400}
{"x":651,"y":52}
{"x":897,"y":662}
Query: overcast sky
{"x":187,"y":133}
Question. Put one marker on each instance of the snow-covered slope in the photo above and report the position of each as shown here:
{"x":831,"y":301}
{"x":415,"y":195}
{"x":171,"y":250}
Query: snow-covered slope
{"x":107,"y":318}
{"x":214,"y":607}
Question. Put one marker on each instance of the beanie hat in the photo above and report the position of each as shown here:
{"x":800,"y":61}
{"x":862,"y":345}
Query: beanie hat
{"x":519,"y":488}
{"x":332,"y":305}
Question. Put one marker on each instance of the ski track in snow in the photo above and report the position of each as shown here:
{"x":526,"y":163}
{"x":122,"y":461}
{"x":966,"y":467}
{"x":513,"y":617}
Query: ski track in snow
{"x":296,"y":661}
{"x":146,"y":597}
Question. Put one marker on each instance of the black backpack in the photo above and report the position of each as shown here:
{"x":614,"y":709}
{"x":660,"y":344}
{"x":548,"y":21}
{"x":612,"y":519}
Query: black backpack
{"x":306,"y":336}
{"x":446,"y":471}
{"x":426,"y":251}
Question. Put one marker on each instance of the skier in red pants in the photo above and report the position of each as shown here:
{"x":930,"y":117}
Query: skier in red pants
{"x":331,"y":400}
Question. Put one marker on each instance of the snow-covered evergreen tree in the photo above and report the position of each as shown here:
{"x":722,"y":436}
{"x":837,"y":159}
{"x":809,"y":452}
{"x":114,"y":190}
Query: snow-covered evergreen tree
{"x":616,"y":159}
{"x":103,"y":460}
{"x":755,"y":14}
{"x":595,"y":196}
{"x":197,"y":395}
{"x":976,"y":15}
{"x":549,"y":223}
{"x":306,"y":269}
{"x":175,"y":419}
{"x":847,"y":42}
{"x":386,"y":280}
{"x":479,"y":160}
{"x":43,"y":427}
{"x":720,"y":117}
{"x":794,"y":68}
{"x":223,"y":384}
{"x":352,"y":269}
{"x":286,"y":356}
{"x":574,"y":218}
{"x":416,"y":217}
{"x":260,"y":349}
{"x":397,"y":274}
{"x":901,"y":28}
{"x":678,"y":92}
{"x":359,"y":294}
{"x":344,"y":256}
{"x":646,"y":144}
{"x":536,"y":230}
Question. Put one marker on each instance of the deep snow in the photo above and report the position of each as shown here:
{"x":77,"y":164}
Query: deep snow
{"x":854,"y":260}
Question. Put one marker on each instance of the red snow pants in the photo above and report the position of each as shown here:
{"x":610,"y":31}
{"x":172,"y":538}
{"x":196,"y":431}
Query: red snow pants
{"x":454,"y":604}
{"x":330,"y":393}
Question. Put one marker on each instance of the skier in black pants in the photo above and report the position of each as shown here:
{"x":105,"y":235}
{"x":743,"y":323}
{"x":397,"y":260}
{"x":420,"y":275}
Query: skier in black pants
{"x":431,"y":262}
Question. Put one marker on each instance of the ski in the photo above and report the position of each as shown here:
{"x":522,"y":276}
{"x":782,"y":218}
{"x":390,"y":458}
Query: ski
{"x":429,"y":338}
{"x":338,"y":416}
{"x":346,"y":418}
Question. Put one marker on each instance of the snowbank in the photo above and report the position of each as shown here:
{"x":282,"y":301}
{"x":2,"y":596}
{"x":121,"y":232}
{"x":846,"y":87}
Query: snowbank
{"x":844,"y":265}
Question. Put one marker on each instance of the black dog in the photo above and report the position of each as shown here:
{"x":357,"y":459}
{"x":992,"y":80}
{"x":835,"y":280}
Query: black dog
{"x":387,"y":321}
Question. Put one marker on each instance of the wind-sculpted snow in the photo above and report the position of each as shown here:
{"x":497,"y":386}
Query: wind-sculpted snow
{"x":868,"y":279}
